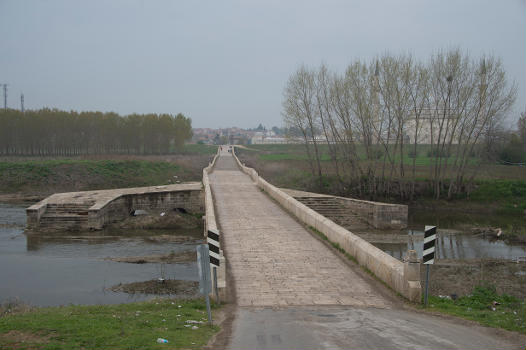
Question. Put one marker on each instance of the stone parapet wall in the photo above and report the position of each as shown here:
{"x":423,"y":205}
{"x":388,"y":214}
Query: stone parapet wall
{"x":400,"y":276}
{"x":378,"y":215}
{"x":211,"y":223}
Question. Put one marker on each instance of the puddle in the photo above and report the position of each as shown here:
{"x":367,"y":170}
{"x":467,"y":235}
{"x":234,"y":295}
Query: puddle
{"x":45,"y":271}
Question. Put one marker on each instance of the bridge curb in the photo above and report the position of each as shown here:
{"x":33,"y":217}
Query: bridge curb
{"x":211,"y":223}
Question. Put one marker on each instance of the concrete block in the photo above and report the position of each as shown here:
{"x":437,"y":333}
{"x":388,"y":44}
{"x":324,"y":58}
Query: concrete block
{"x":414,"y":291}
{"x":412,"y":266}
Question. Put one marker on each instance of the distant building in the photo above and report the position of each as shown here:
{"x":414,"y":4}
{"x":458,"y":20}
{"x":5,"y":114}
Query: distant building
{"x":429,"y":128}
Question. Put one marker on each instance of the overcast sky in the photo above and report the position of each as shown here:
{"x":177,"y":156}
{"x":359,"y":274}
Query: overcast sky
{"x":224,"y":63}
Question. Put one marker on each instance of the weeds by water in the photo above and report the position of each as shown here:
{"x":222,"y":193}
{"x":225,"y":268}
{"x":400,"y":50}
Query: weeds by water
{"x":485,"y":306}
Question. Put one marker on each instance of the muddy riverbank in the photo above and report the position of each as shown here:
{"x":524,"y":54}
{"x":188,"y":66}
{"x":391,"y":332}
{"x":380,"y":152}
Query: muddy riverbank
{"x":174,"y":288}
{"x":455,"y":278}
{"x":171,"y":258}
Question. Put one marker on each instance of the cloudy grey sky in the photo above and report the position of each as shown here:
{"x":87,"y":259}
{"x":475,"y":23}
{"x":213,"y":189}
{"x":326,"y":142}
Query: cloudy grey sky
{"x":225,"y":63}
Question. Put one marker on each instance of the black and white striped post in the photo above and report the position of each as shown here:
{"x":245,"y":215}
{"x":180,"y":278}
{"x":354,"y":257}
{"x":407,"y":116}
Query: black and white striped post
{"x":213,"y":246}
{"x":203,"y":265}
{"x":428,"y":255}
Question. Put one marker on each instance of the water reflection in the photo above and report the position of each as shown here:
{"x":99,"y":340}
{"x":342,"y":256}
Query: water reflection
{"x":35,"y":241}
{"x":58,"y":270}
{"x":453,"y":246}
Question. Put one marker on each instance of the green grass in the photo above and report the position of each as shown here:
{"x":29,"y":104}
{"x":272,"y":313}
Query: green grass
{"x":510,"y":314}
{"x":125,"y":326}
{"x":192,"y":148}
{"x":84,"y":174}
{"x":496,"y":203}
{"x":290,"y":156}
{"x":512,"y":192}
{"x":424,"y":160}
{"x":297,"y":152}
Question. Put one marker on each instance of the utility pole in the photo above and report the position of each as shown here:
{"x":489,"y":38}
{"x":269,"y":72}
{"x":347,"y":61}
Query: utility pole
{"x":5,"y":97}
{"x":22,"y":102}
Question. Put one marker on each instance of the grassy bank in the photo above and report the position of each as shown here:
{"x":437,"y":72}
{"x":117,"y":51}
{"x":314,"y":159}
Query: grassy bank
{"x":487,"y":307}
{"x":78,"y":174}
{"x":41,"y":176}
{"x":125,"y":326}
{"x":493,"y":203}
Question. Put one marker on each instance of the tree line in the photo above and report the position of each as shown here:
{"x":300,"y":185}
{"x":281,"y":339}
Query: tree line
{"x":52,"y":132}
{"x":375,"y":115}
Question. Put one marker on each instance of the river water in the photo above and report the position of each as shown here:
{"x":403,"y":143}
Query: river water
{"x":71,"y":270}
{"x":450,"y":244}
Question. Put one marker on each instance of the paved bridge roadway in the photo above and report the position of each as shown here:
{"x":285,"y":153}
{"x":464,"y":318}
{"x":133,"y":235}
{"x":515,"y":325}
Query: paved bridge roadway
{"x":293,"y":292}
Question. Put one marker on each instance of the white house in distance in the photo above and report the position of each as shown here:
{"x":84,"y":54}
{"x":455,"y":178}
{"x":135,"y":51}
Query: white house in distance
{"x":429,"y":128}
{"x":270,"y":138}
{"x":265,"y":137}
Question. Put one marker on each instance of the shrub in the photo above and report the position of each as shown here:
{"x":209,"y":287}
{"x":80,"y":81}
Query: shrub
{"x":513,"y":151}
{"x":435,"y":152}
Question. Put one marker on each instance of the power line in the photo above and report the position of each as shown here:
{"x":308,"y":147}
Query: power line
{"x":5,"y":96}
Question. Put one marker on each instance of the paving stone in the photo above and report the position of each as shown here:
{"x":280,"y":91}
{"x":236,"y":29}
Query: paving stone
{"x":272,"y":258}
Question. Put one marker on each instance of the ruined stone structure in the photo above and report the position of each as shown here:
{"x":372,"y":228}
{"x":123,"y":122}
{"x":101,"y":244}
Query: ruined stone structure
{"x":92,"y":210}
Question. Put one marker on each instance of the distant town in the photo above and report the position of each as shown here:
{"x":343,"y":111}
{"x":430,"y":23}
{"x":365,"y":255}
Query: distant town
{"x":238,"y":136}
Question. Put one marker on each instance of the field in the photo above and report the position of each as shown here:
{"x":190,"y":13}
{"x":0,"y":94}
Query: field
{"x":124,"y":326}
{"x":43,"y":176}
{"x":290,"y":159}
{"x":422,"y":158}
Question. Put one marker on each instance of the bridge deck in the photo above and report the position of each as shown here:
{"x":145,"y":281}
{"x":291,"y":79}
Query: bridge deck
{"x":274,"y":261}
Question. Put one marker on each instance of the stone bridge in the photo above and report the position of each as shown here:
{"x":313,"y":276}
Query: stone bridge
{"x":274,"y":256}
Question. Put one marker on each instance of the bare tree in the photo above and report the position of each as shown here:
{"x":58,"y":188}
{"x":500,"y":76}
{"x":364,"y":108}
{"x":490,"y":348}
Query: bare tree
{"x":374,"y":112}
{"x":299,"y":111}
